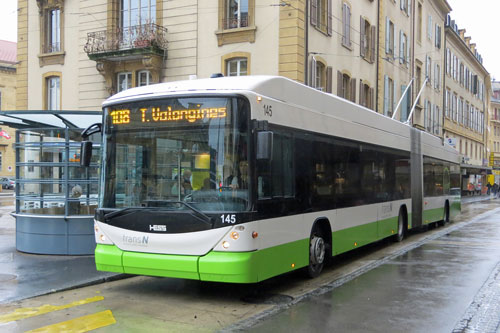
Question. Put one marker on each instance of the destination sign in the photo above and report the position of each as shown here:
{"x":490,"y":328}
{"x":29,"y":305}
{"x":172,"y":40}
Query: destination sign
{"x":157,"y":115}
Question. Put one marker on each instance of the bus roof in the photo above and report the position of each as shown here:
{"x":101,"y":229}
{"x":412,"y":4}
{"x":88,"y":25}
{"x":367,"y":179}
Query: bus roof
{"x":288,"y":91}
{"x":254,"y":83}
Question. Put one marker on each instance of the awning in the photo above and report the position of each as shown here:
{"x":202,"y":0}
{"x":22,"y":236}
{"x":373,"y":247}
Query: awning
{"x":46,"y":118}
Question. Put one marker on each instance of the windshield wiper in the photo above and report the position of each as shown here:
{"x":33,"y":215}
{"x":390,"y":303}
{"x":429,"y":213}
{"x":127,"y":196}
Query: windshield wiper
{"x":205,"y":218}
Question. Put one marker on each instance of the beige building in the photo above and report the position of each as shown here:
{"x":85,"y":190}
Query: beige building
{"x":75,"y":53}
{"x":493,"y":150}
{"x":466,"y":96}
{"x":395,"y":57}
{"x":7,"y":102}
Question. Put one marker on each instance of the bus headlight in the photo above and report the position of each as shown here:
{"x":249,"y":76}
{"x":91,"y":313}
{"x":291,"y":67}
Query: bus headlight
{"x":100,"y":237}
{"x":225,"y":244}
{"x":235,"y":235}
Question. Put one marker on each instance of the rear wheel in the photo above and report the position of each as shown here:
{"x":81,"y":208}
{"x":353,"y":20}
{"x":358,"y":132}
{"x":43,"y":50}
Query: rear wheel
{"x":401,"y":227}
{"x":317,"y":253}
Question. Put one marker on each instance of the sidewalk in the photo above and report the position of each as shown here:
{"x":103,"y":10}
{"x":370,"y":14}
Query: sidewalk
{"x":25,"y":275}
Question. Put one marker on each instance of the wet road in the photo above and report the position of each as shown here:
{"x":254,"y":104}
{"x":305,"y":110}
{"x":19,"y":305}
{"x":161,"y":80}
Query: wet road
{"x":450,"y":283}
{"x":443,"y":280}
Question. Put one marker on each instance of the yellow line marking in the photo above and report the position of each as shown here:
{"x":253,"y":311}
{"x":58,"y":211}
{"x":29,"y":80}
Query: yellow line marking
{"x":24,"y":313}
{"x":81,"y":324}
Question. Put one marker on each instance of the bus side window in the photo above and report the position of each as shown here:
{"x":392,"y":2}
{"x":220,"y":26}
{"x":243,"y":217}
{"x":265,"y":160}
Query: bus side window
{"x":278,"y":178}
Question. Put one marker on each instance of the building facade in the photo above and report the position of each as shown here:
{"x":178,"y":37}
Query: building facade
{"x":493,"y":150}
{"x":466,"y":97}
{"x":8,"y":52}
{"x":76,"y":53}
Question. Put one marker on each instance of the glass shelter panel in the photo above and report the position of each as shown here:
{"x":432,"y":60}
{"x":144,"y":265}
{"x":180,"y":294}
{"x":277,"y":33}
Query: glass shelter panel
{"x":49,"y":173}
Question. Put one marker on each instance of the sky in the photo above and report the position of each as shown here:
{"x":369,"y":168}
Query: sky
{"x":477,"y":17}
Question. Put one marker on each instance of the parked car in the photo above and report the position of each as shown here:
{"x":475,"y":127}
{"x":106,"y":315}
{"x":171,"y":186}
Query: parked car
{"x":7,"y":183}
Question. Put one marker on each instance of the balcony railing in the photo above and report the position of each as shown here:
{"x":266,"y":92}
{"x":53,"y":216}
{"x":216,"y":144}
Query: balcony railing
{"x":145,"y":36}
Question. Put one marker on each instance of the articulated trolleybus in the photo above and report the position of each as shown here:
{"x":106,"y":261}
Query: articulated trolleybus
{"x":242,"y":179}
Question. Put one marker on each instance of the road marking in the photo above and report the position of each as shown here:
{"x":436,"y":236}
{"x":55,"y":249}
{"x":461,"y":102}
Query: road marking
{"x":81,"y":324}
{"x":24,"y":313}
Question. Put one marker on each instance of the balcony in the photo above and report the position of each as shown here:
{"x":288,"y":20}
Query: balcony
{"x":128,"y":43}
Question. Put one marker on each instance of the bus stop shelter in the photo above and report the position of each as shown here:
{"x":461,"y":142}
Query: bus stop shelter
{"x":55,"y":197}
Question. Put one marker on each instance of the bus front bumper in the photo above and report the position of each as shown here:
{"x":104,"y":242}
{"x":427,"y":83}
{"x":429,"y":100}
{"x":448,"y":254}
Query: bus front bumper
{"x":235,"y":267}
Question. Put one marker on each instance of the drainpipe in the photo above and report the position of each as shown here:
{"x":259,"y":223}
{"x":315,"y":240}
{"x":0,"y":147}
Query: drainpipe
{"x":377,"y":54}
{"x":306,"y":62}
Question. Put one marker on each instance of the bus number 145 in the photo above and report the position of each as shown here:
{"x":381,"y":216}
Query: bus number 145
{"x":229,"y":218}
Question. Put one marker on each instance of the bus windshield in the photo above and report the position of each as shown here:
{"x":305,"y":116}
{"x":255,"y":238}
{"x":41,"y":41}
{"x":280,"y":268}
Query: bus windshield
{"x":192,"y":150}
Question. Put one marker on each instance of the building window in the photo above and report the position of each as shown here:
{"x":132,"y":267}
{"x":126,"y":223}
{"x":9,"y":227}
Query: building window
{"x":236,"y":14}
{"x":389,"y":37}
{"x":53,"y":98}
{"x":144,"y":78}
{"x":437,"y":41}
{"x":419,"y":23}
{"x":437,"y":76}
{"x":236,"y":67}
{"x":124,"y":81}
{"x":52,"y":30}
{"x":346,"y":86}
{"x":388,"y":96}
{"x":429,"y":27}
{"x":346,"y":25}
{"x":366,"y":95}
{"x":447,"y":104}
{"x":367,"y":41}
{"x":137,"y":12}
{"x":404,"y":48}
{"x":320,"y":76}
{"x":321,"y":15}
{"x":428,"y":69}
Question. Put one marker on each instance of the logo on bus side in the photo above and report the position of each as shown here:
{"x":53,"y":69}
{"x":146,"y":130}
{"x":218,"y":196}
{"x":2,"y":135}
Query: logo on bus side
{"x":139,"y":241}
{"x":157,"y":227}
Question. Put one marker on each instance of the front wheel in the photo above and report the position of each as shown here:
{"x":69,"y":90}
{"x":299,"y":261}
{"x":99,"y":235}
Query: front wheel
{"x":317,"y":253}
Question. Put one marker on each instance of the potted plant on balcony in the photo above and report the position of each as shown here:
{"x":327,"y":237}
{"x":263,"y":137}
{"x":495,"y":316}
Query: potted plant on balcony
{"x":145,"y":35}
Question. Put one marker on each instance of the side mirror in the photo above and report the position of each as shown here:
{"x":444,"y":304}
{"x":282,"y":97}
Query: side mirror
{"x":264,"y":145}
{"x":85,"y":153}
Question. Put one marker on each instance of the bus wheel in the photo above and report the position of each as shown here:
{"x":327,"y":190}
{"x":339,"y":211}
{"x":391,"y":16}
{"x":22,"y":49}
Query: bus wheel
{"x":317,"y":253}
{"x":401,"y":228}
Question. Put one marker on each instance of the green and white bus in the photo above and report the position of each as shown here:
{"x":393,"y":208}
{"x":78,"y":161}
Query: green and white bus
{"x":241,"y":179}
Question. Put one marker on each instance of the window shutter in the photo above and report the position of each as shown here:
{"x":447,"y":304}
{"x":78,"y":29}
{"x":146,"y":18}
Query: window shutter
{"x":393,"y":41}
{"x":409,"y":7}
{"x":344,"y":29}
{"x":329,"y":23}
{"x":314,"y":13}
{"x":373,"y":43}
{"x":362,"y":94}
{"x":353,"y":90}
{"x":393,"y":90}
{"x":329,"y":79}
{"x":348,"y":25}
{"x":339,"y":84}
{"x":312,"y":83}
{"x":407,"y":52}
{"x":362,"y":45}
{"x":401,"y":47}
{"x":386,"y":94}
{"x":387,"y":35}
{"x":371,"y":99}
